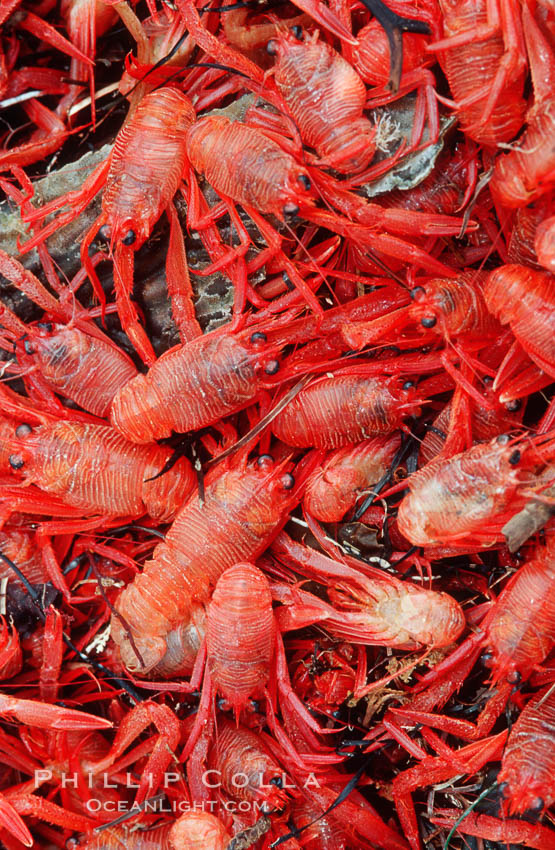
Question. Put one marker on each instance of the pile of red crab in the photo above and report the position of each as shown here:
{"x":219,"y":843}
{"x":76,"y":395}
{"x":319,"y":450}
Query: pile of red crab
{"x":277,"y":444}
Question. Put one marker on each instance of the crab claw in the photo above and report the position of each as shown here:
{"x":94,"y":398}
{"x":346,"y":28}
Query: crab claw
{"x":46,"y":32}
{"x":46,"y":716}
{"x":12,"y":823}
{"x":326,"y":18}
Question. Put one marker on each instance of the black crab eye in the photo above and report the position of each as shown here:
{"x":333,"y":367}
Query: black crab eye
{"x":408,"y":385}
{"x":514,"y":678}
{"x":515,"y":457}
{"x":537,"y":804}
{"x":258,"y":336}
{"x":417,"y":292}
{"x":502,"y":439}
{"x":297,"y":32}
{"x":305,"y":181}
{"x":129,"y":238}
{"x":105,"y":232}
{"x":287,"y":281}
{"x":46,"y":326}
{"x":287,"y":481}
{"x":23,"y":430}
{"x":290,"y":208}
{"x":28,"y":346}
{"x":16,"y":461}
{"x":271,"y":367}
{"x":514,"y":405}
{"x":272,"y":47}
{"x":265,"y":460}
{"x":428,"y":321}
